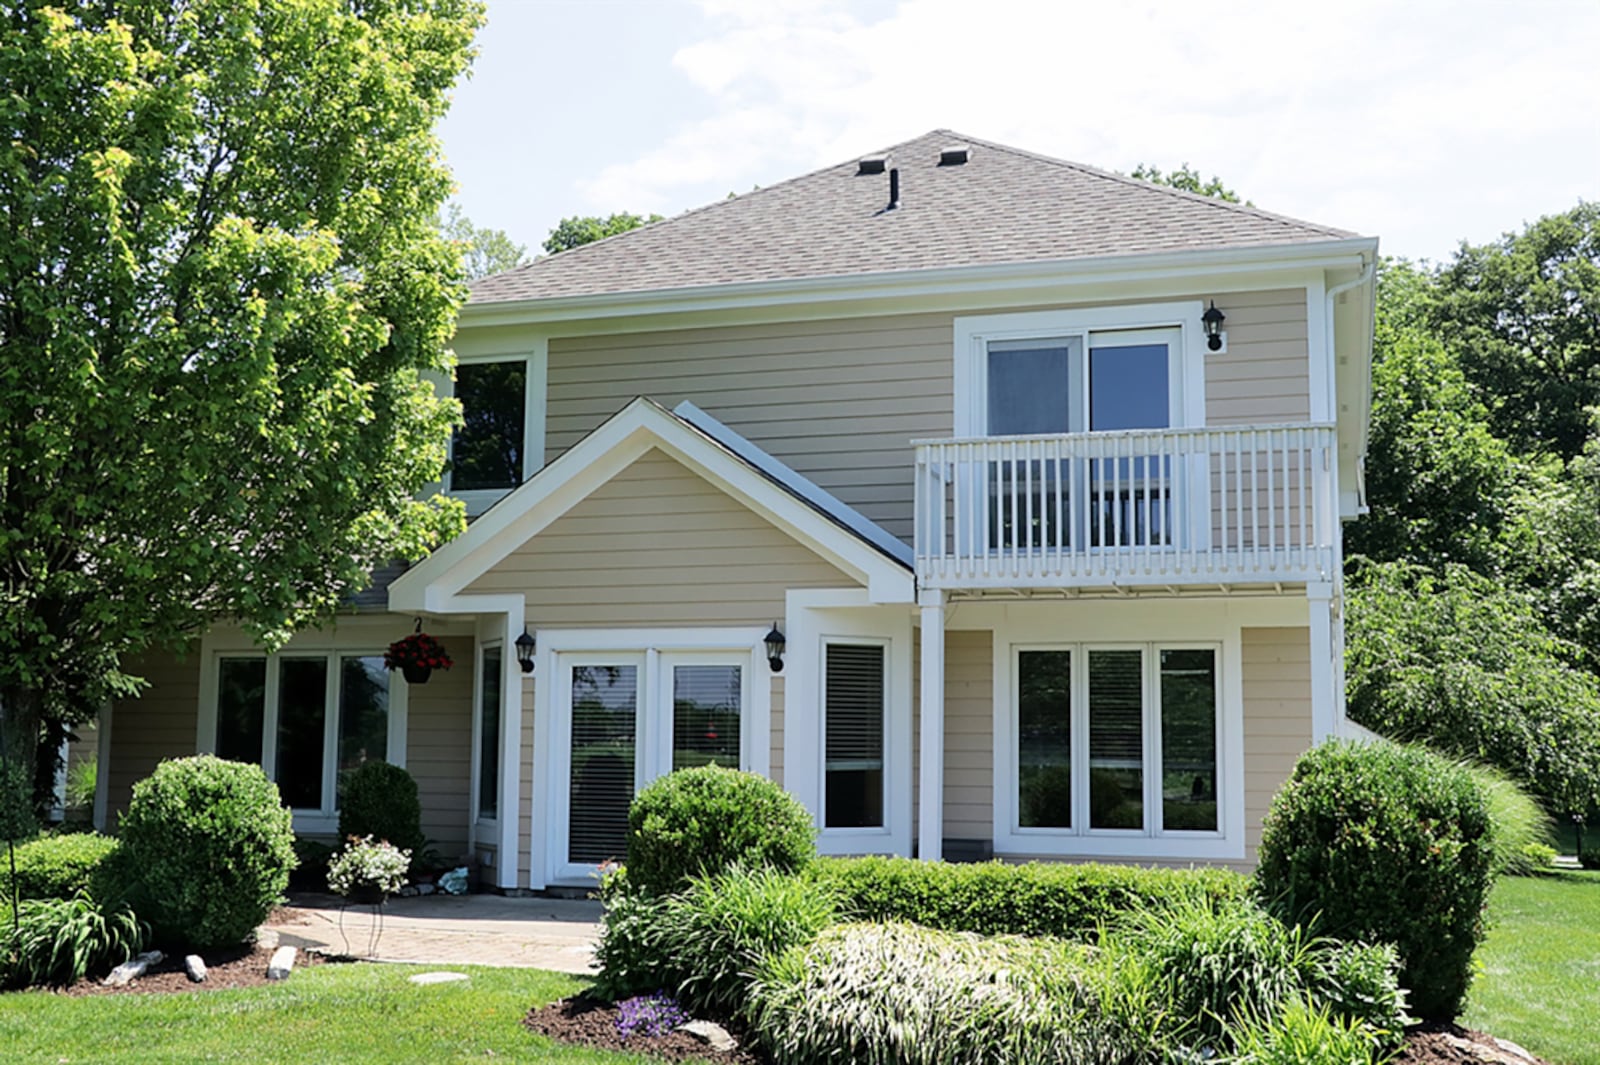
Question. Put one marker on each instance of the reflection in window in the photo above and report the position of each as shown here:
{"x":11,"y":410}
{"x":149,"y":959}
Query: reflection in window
{"x":1189,"y":741}
{"x":488,"y":447}
{"x":705,"y":715}
{"x":605,"y":719}
{"x":1116,"y":739}
{"x":1044,"y":752}
{"x":853,"y":709}
{"x":241,"y":708}
{"x":363,"y":710}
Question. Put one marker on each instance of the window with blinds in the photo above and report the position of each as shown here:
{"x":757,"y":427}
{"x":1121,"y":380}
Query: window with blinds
{"x":605,"y":724}
{"x":853,"y":709}
{"x":705,"y":715}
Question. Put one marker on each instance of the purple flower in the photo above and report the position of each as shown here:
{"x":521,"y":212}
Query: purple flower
{"x":649,"y":1015}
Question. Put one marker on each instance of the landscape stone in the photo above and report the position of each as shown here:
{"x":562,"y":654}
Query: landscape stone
{"x":195,"y":966}
{"x":282,"y":964}
{"x":712,"y":1034}
{"x":266,"y":939}
{"x":428,"y":979}
{"x":132,"y":970}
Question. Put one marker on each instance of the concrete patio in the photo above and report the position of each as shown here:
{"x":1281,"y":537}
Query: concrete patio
{"x":558,"y":934}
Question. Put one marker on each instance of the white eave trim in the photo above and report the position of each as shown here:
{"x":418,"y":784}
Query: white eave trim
{"x":598,"y":457}
{"x":943,"y":281}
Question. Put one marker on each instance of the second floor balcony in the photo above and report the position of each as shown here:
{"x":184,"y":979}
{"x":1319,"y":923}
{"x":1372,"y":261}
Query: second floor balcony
{"x":1218,"y":507}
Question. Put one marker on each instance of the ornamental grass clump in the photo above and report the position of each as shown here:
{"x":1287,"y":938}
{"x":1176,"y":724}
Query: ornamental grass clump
{"x":60,"y":941}
{"x":1303,"y":1033}
{"x":366,"y":865}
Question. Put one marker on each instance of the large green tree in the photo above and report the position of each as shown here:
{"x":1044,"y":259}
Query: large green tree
{"x":586,"y":229}
{"x":221,"y":283}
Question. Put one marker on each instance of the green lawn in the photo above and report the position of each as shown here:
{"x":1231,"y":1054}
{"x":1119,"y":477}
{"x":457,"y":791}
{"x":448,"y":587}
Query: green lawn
{"x":330,"y":1013}
{"x":1540,"y":984}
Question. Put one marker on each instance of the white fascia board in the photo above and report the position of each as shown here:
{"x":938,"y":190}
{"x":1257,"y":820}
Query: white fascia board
{"x":1056,"y":277}
{"x":597,"y":458}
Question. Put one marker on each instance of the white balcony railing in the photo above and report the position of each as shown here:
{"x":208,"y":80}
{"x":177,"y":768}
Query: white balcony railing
{"x":1152,"y":507}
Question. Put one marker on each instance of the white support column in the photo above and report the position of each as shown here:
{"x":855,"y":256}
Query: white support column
{"x":931,"y":815}
{"x":1325,"y":695}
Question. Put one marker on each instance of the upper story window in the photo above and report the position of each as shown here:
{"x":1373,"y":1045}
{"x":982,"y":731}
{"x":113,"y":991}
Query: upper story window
{"x":1102,"y":370}
{"x":490,"y":447}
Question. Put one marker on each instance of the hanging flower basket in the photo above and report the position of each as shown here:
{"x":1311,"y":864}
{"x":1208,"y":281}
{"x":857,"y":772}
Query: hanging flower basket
{"x":417,"y":656}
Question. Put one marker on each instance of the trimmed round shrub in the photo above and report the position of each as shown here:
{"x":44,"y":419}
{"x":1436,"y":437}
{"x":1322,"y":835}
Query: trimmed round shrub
{"x":213,"y":845}
{"x":59,"y":867}
{"x":1381,"y":843}
{"x":380,"y":800}
{"x":707,"y":820}
{"x":1589,"y":858}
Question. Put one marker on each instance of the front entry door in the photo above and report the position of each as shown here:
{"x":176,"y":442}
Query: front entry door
{"x":626,"y":718}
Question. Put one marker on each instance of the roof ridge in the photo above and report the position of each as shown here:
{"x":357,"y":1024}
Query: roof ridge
{"x":1183,"y":194}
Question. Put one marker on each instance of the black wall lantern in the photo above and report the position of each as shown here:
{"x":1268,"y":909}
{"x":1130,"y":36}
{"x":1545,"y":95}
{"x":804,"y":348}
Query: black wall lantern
{"x":1213,"y":320}
{"x":525,"y":647}
{"x":775,"y":645}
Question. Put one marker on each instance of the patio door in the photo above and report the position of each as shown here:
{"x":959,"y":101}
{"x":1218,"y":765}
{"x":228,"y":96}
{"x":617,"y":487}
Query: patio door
{"x":1107,"y":495}
{"x":626,"y":718}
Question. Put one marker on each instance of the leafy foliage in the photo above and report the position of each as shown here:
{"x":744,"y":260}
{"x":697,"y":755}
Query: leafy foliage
{"x":1458,"y":661}
{"x":708,"y":819}
{"x":60,"y":867}
{"x":586,"y":229}
{"x":213,"y":845}
{"x":483,"y":251}
{"x":996,"y":898}
{"x":380,"y":800}
{"x":368,"y":863}
{"x":1302,"y":1033}
{"x":17,"y":820}
{"x":59,"y":941}
{"x":1189,"y":181}
{"x":221,"y":284}
{"x":1379,"y":843}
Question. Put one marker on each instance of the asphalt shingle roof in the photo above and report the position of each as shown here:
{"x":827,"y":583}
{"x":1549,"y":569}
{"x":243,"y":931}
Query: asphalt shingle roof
{"x":1002,"y":206}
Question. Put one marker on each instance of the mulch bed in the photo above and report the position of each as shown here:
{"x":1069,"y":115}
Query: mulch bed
{"x":586,"y":1022}
{"x":1447,"y":1044}
{"x":233,"y":968}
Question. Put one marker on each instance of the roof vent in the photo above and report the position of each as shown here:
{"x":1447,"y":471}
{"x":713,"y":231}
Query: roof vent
{"x":954,"y":156}
{"x":873,"y":164}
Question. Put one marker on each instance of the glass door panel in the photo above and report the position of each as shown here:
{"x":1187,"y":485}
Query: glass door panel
{"x":707,"y":707}
{"x":1033,"y":389}
{"x":603,"y":758}
{"x":1130,"y":388}
{"x":302,"y":730}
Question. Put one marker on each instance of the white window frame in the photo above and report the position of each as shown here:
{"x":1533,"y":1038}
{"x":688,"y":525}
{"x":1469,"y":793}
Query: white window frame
{"x":536,"y":360}
{"x":1149,"y":843}
{"x":323,"y":820}
{"x":655,"y":651}
{"x":873,"y":832}
{"x":1186,"y":365}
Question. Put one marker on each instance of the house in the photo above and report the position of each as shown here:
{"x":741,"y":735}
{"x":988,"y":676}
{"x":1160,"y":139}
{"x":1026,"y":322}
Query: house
{"x":990,"y":503}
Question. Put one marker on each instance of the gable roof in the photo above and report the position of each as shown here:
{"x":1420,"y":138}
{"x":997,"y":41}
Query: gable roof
{"x":1003,"y":205}
{"x":834,"y":531}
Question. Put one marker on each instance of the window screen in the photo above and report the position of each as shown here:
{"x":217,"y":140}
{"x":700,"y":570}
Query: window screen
{"x":1029,"y":387}
{"x":853,"y":712}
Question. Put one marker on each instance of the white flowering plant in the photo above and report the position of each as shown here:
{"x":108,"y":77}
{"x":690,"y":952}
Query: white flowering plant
{"x":368,"y":863}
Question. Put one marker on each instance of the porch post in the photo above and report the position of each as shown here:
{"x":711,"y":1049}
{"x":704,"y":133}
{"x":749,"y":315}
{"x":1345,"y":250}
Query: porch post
{"x":1325,"y":696}
{"x":930,"y":846}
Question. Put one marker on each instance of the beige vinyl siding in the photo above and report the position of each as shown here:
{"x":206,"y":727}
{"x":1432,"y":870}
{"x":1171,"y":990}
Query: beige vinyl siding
{"x":1264,"y":377}
{"x":841,"y":400}
{"x":439,"y":747}
{"x":1276,"y":666}
{"x":969,"y":734}
{"x":161,"y":723}
{"x":527,"y":801}
{"x":776,"y":752}
{"x":658,"y":545}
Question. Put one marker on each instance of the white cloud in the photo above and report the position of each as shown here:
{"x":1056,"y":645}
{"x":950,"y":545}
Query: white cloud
{"x":1423,"y":123}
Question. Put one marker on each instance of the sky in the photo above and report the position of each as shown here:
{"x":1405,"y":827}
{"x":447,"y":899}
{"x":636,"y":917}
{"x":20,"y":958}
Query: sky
{"x":1422,"y":123}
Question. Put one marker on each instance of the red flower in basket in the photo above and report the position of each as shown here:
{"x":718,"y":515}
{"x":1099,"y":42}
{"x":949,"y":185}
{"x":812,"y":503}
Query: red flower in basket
{"x":417,"y":651}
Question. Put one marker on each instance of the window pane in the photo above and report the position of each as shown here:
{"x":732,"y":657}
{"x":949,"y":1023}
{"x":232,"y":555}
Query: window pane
{"x":489,"y":735}
{"x":1189,"y":741}
{"x":302,"y":712}
{"x":1116,"y":739}
{"x":1044,"y":739}
{"x":363,"y":711}
{"x":241,"y":703}
{"x":853,"y":767}
{"x":488,"y":446}
{"x":705,"y":715}
{"x":1128,"y":387}
{"x":605,"y":715}
{"x":1028,"y":387}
